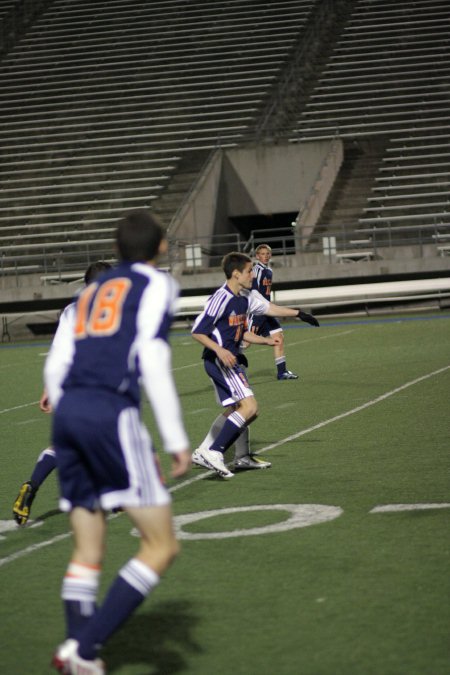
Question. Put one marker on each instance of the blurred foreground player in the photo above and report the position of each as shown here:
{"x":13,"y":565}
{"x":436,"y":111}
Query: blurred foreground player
{"x":46,"y":462}
{"x":104,"y":453}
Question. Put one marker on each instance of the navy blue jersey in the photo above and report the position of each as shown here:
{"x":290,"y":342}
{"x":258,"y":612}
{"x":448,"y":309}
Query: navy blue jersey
{"x":105,"y":348}
{"x":224,"y":318}
{"x":119,"y":339}
{"x":262,"y":279}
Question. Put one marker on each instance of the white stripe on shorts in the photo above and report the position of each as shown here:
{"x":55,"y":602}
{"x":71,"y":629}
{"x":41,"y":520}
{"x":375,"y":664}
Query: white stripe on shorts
{"x":236,"y":386}
{"x":145,"y":488}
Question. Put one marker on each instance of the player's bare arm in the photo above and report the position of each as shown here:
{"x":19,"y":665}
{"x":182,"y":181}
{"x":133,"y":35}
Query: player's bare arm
{"x":228,"y":359}
{"x":271,"y":341}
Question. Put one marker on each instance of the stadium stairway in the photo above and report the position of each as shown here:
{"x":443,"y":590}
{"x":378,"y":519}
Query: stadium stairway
{"x":386,"y":85}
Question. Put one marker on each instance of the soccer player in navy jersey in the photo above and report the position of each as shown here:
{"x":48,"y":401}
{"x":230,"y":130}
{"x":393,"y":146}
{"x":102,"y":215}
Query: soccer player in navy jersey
{"x":268,"y":325}
{"x":46,"y":461}
{"x":104,"y":453}
{"x":220,"y":328}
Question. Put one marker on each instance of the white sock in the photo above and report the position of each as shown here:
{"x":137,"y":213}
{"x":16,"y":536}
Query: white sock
{"x":242,"y":444}
{"x":213,"y":432}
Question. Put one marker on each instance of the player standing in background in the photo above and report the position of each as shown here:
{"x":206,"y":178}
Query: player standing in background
{"x":268,"y":325}
{"x":104,"y":453}
{"x":46,"y":462}
{"x":220,"y":328}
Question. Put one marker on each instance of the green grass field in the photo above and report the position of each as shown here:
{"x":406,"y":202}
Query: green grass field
{"x":253,"y":593}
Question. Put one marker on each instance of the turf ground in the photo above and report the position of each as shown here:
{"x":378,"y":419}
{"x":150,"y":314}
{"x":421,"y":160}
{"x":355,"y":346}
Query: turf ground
{"x":269,"y":591}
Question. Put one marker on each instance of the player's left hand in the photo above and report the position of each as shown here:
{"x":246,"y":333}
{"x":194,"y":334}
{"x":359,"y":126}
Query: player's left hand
{"x":44,"y":403}
{"x":275,"y":340}
{"x":307,"y":318}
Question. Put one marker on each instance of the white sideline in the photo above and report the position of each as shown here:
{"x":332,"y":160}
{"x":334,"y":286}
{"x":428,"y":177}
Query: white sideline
{"x":190,"y":481}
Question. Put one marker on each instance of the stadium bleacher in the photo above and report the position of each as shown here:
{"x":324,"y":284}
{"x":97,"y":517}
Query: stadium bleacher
{"x":386,"y":83}
{"x":99,"y":103}
{"x":112,"y":105}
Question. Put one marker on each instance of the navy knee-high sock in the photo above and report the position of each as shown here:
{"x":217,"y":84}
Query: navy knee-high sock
{"x":130,"y":588}
{"x":229,"y":433}
{"x":45,"y":464}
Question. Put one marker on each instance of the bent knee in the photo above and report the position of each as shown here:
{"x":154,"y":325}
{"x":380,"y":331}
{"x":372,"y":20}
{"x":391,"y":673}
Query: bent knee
{"x":248,"y":408}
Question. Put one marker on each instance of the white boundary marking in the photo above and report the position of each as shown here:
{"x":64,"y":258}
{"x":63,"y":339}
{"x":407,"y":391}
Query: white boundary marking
{"x":31,"y":549}
{"x":325,"y":423}
{"x":395,"y":508}
{"x":18,"y":407}
{"x":189,"y":365}
{"x":321,"y":337}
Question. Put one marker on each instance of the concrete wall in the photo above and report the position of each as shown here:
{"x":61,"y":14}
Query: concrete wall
{"x":273,"y":178}
{"x":255,"y":180}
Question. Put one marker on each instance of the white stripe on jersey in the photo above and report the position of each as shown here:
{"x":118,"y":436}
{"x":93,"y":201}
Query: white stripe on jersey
{"x":217,"y":303}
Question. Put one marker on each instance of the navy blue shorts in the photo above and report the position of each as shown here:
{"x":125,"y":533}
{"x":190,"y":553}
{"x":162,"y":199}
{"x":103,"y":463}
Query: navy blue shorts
{"x":230,"y":384}
{"x":263,"y":325}
{"x":104,"y":453}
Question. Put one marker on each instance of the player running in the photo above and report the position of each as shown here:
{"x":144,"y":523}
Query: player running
{"x":46,"y":462}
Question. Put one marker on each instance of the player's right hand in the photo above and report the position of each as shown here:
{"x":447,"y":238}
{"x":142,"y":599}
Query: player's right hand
{"x":181,"y":463}
{"x":44,"y":403}
{"x":228,"y":358}
{"x":308,"y":318}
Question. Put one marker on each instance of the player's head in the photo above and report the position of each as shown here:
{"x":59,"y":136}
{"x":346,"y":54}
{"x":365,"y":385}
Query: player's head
{"x":234,"y":261}
{"x":94,"y":270}
{"x":139,"y":236}
{"x":238,"y":270}
{"x":263,"y":253}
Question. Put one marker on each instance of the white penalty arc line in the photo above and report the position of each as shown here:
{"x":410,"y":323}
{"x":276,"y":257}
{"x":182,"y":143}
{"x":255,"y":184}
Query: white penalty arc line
{"x":190,"y":481}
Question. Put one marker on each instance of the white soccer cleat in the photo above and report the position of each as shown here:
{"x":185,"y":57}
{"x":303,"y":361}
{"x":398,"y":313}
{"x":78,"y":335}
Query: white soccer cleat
{"x":213,"y":459}
{"x":62,"y":654}
{"x":67,"y":661}
{"x":198,"y":459}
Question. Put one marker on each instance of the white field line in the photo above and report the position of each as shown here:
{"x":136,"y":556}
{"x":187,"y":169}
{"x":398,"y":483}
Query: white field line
{"x":194,"y":365}
{"x":190,"y":481}
{"x":321,"y":337}
{"x":396,"y":508}
{"x":18,"y":407}
{"x":325,"y":423}
{"x":262,"y":350}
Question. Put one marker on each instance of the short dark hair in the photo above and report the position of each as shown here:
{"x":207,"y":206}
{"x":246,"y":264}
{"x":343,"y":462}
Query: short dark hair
{"x":139,"y":234}
{"x":94,"y":270}
{"x":234,"y":261}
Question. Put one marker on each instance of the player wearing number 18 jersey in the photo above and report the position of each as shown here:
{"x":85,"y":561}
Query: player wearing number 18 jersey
{"x":104,"y":453}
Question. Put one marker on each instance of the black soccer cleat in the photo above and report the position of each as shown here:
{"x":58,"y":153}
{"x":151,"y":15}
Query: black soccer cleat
{"x":287,"y":375}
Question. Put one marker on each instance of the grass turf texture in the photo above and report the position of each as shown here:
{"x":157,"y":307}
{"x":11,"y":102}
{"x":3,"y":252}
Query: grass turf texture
{"x":362,"y":594}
